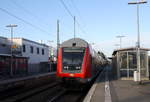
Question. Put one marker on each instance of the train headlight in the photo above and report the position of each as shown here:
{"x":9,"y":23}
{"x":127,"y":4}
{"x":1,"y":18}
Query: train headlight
{"x":78,"y":68}
{"x":65,"y":67}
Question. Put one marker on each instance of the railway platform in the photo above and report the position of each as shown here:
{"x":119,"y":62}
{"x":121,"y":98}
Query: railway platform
{"x":26,"y":80}
{"x":108,"y":89}
{"x":9,"y":80}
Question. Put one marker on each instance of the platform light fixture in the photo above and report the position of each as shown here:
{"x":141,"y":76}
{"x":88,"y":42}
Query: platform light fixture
{"x":138,"y":35}
{"x":11,"y":26}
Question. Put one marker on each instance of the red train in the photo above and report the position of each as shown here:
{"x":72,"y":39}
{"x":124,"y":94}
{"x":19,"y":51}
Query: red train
{"x":78,"y":62}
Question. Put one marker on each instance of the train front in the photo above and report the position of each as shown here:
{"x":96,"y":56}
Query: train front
{"x":72,"y":57}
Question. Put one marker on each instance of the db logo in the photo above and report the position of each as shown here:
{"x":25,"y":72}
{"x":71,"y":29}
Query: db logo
{"x":71,"y":75}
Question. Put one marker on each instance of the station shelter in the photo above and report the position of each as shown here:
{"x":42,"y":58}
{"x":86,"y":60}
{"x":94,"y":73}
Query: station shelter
{"x":124,"y":63}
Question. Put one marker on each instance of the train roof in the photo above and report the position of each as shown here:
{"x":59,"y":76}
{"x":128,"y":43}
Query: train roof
{"x":75,"y":42}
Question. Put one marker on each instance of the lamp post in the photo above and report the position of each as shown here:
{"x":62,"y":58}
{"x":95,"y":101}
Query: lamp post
{"x":120,"y":36}
{"x":74,"y":27}
{"x":58,"y":37}
{"x":11,"y":26}
{"x":138,"y":35}
{"x":50,"y":46}
{"x":51,"y":55}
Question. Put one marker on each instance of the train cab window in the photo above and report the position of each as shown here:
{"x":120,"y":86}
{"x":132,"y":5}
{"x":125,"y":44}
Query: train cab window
{"x":72,"y":59}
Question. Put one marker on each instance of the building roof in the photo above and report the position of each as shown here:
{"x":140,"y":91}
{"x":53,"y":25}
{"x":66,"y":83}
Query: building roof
{"x":130,"y":48}
{"x":33,"y":42}
{"x":3,"y":37}
{"x":3,"y":40}
{"x":74,"y":42}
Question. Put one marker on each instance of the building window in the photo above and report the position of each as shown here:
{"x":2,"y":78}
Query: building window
{"x":37,"y":50}
{"x":3,"y":45}
{"x":42,"y":51}
{"x":24,"y":48}
{"x":31,"y":49}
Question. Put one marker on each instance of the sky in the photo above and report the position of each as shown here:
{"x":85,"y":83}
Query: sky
{"x":98,"y":21}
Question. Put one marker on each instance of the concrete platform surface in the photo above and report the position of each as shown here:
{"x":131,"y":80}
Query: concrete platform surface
{"x":129,"y":91}
{"x":108,"y":89}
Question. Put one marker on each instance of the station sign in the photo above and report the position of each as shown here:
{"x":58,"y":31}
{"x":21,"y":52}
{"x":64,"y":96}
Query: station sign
{"x":16,"y":49}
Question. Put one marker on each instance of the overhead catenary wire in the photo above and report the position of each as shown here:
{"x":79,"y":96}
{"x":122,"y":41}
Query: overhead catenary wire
{"x":27,"y":11}
{"x":65,"y":6}
{"x":24,"y":21}
{"x":69,"y":12}
{"x":78,"y":12}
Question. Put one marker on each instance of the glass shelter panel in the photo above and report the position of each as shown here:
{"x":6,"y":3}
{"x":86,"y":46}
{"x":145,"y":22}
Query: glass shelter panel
{"x":123,"y":64}
{"x":128,"y":63}
{"x":123,"y":60}
{"x":132,"y":60}
{"x":143,"y":63}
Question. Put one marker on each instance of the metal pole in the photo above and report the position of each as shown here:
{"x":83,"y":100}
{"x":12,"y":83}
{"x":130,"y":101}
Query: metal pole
{"x":138,"y":45}
{"x":11,"y":26}
{"x":58,"y":40}
{"x":138,"y":26}
{"x":51,"y":56}
{"x":74,"y":27}
{"x":138,"y":36}
{"x":11,"y":68}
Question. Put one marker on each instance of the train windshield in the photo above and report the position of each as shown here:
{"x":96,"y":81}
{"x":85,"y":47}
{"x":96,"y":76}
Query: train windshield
{"x":72,"y":59}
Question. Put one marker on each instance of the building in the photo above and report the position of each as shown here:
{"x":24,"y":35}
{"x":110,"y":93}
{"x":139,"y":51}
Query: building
{"x":19,"y":63}
{"x":4,"y":46}
{"x":124,"y":62}
{"x":36,"y":52}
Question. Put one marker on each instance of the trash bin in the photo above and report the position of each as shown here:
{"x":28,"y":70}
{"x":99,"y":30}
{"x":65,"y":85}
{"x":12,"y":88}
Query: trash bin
{"x":136,"y":76}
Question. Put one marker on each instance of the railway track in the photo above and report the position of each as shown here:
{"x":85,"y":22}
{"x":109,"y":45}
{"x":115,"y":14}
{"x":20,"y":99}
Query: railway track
{"x":48,"y":93}
{"x":60,"y":94}
{"x":24,"y":94}
{"x":69,"y":96}
{"x":66,"y":95}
